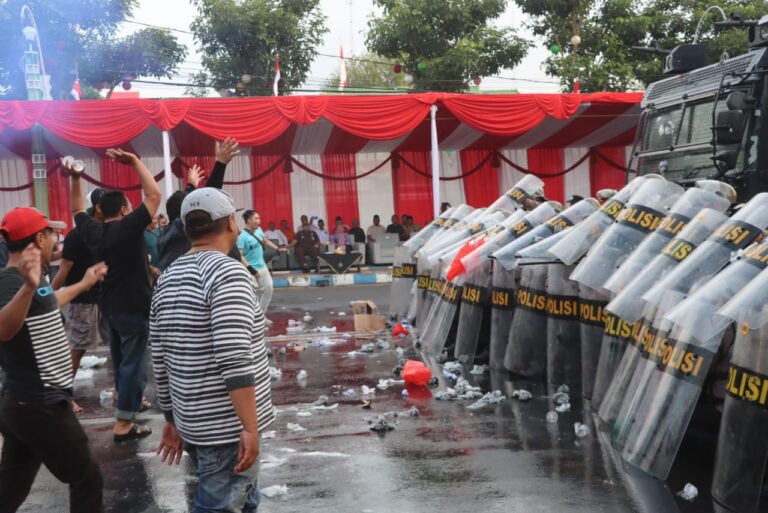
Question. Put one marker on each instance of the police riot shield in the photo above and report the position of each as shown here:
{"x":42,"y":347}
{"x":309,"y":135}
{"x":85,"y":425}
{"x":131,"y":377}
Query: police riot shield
{"x":742,"y":447}
{"x":420,"y":238}
{"x":591,"y":328}
{"x":526,"y":345}
{"x":642,"y":214}
{"x":429,"y":285}
{"x":563,"y":334}
{"x":403,"y":277}
{"x":474,"y":329}
{"x":713,"y":254}
{"x":629,"y":306}
{"x":581,"y":240}
{"x":508,"y":254}
{"x":628,"y":303}
{"x":451,"y":228}
{"x":514,"y":198}
{"x":675,"y":385}
{"x":470,"y":228}
{"x":504,"y":287}
{"x":681,"y":213}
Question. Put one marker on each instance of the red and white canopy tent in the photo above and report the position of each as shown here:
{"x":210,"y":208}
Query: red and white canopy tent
{"x":353,"y":156}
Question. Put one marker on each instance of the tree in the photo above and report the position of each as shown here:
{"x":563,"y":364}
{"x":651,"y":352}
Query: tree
{"x":369,"y":73}
{"x":243,"y":37}
{"x":604,"y":60}
{"x":444,"y":44}
{"x":79,"y":35}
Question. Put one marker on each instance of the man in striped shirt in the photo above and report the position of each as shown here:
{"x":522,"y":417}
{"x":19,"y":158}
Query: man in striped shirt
{"x":210,"y":359}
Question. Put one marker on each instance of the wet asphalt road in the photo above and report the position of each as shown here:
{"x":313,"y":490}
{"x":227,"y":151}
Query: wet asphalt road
{"x":502,"y":458}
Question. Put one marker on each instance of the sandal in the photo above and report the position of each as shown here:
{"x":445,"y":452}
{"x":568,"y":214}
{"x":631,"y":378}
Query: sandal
{"x":135,"y":433}
{"x":145,"y":405}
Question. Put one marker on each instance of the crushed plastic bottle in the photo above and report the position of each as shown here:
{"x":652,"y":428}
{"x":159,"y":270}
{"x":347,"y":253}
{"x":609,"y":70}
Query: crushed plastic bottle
{"x":494,"y":397}
{"x":106,"y":397}
{"x":562,"y":408}
{"x":522,"y":394}
{"x":470,"y":395}
{"x":561,"y":398}
{"x":92,"y":362}
{"x":479,"y":370}
{"x":275,"y":373}
{"x":580,"y":429}
{"x":302,"y":375}
{"x":551,"y":417}
{"x":689,"y":492}
{"x":448,"y":394}
{"x":274,"y":491}
{"x":462,"y":386}
{"x":295,"y":428}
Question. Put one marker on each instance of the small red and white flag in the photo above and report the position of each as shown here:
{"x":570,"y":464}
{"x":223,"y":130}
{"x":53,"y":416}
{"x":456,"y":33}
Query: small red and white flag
{"x":277,"y":75}
{"x":76,"y":92}
{"x":343,"y":82}
{"x":576,"y":86}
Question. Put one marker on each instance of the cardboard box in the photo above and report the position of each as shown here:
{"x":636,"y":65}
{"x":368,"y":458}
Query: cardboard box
{"x":367,"y":317}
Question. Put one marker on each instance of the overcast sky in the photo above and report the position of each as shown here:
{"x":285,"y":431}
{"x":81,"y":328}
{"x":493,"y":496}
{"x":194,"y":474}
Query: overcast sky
{"x":178,"y":14}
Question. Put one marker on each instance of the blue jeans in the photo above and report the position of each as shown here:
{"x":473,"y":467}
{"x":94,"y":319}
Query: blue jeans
{"x":128,"y":340}
{"x":219,"y":489}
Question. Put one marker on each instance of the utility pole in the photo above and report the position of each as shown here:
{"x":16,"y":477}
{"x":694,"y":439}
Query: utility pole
{"x":37,"y":90}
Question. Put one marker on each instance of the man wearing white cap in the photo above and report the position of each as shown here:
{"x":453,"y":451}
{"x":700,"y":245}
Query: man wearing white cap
{"x":210,"y":359}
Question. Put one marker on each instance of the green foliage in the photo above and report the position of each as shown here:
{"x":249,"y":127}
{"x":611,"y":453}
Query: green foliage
{"x":445,"y":43}
{"x":604,"y":61}
{"x":73,"y":34}
{"x":239,"y":37}
{"x":368,"y":72}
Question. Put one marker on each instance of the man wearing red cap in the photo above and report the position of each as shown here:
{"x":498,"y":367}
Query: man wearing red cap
{"x":36,"y":418}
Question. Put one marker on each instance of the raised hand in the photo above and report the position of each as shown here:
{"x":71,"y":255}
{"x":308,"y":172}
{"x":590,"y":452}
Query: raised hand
{"x":195,"y":176}
{"x":31,"y":266}
{"x":226,"y":150}
{"x":121,"y":156}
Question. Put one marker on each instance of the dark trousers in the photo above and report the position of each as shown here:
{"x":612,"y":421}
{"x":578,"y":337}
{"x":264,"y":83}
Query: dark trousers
{"x":35,"y":434}
{"x":128,"y":339}
{"x":307,"y":251}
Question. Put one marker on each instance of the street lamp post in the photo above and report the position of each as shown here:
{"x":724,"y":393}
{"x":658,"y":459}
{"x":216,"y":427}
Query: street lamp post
{"x":35,"y":81}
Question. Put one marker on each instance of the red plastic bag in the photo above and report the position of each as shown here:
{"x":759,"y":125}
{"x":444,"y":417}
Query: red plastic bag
{"x":400,"y":330}
{"x":416,"y":373}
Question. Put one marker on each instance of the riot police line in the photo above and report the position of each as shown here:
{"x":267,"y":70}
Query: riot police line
{"x":638,"y":299}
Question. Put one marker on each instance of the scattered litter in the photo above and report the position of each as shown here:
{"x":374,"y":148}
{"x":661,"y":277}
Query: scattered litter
{"x":479,"y":370}
{"x":292,"y":322}
{"x":416,"y":373}
{"x":326,"y":329}
{"x":268,"y":435}
{"x":84,"y":374}
{"x":462,"y":386}
{"x":401,"y":330}
{"x":404,"y":393}
{"x":398,"y":370}
{"x":307,"y":318}
{"x":367,"y":405}
{"x":322,"y":407}
{"x":581,"y":430}
{"x":689,"y":492}
{"x":274,"y":491}
{"x":494,"y":397}
{"x":295,"y":428}
{"x":92,"y":362}
{"x":271,"y":461}
{"x":452,"y":367}
{"x":325,"y":342}
{"x":106,"y":398}
{"x":561,"y":398}
{"x":275,"y":373}
{"x":470,"y":395}
{"x":551,"y":417}
{"x":433,"y":382}
{"x":382,"y":425}
{"x":304,"y":413}
{"x":413,"y":412}
{"x":342,"y":314}
{"x":562,"y":408}
{"x":448,"y":394}
{"x":302,"y":375}
{"x":321,"y":401}
{"x":400,"y":352}
{"x":355,"y":354}
{"x":386,"y":383}
{"x":347,"y":336}
{"x":450,"y":375}
{"x":564,"y":389}
{"x":522,"y":394}
{"x":294,"y":330}
{"x":282,"y":351}
{"x":332,"y":312}
{"x":367,"y":348}
{"x":367,"y":391}
{"x":382,"y":344}
{"x":349,"y":393}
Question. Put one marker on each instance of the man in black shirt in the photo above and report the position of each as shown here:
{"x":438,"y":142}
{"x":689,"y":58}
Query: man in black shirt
{"x":36,"y":418}
{"x":307,"y":244}
{"x":126,"y":293}
{"x":395,"y":227}
{"x":356,"y":231}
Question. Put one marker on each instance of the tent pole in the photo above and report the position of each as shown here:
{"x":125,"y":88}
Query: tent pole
{"x":168,"y":177}
{"x":435,"y":163}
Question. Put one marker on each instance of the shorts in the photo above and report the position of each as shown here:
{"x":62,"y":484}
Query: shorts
{"x":85,"y":326}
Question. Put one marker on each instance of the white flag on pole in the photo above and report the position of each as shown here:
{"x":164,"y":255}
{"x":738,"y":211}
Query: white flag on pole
{"x":277,"y":75}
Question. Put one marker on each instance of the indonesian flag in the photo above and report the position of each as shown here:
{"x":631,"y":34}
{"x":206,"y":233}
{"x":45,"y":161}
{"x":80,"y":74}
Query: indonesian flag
{"x":76,"y":92}
{"x":576,"y":86}
{"x":277,"y":75}
{"x":457,"y":268}
{"x":342,"y":71}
